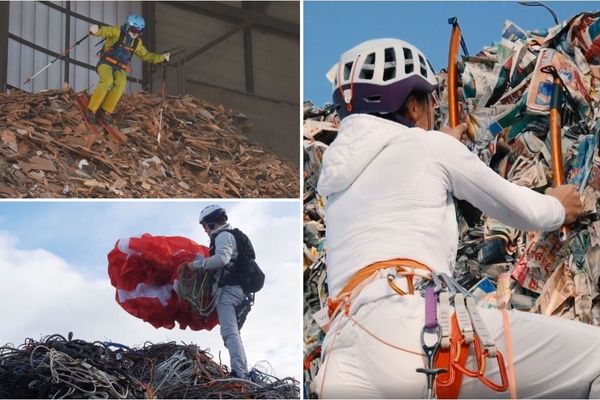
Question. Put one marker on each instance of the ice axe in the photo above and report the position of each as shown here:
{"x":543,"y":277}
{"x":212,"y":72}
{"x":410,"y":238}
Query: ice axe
{"x":57,"y":57}
{"x":455,"y":39}
{"x":558,"y":172}
{"x":468,"y":211}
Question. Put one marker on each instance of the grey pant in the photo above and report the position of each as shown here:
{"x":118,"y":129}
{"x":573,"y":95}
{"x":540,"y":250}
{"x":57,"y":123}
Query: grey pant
{"x":230,"y":298}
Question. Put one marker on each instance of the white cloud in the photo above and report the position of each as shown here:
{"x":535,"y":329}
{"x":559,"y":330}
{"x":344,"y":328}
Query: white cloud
{"x":43,"y":294}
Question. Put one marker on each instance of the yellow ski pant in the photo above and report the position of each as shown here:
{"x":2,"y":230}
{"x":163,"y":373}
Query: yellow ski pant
{"x":109,"y":89}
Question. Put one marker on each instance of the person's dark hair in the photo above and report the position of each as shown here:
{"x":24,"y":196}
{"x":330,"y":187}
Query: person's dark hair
{"x":419,"y":97}
{"x":221,"y":219}
{"x":401,"y":115}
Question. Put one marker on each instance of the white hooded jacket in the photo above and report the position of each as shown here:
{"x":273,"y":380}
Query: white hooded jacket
{"x":389,"y":195}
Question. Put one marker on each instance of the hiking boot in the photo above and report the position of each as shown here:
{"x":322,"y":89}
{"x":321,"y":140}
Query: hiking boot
{"x":103,"y":116}
{"x":234,"y":374}
{"x":255,"y":376}
{"x":91,"y":116}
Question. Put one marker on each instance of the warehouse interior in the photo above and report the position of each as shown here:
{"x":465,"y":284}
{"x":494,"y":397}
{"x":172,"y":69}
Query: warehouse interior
{"x":243,"y":55}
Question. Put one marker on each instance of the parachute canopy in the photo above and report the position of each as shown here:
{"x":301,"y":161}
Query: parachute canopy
{"x":144,"y":270}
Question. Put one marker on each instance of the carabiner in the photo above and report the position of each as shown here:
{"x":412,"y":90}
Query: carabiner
{"x":430,"y":351}
{"x":481,"y":364}
{"x":391,"y":278}
{"x":455,"y":360}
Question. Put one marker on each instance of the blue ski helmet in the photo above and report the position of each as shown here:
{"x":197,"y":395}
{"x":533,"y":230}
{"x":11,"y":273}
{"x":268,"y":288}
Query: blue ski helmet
{"x":136,"y":23}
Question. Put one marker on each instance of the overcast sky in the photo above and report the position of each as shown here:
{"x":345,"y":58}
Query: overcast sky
{"x":332,"y":27}
{"x":54,"y":273}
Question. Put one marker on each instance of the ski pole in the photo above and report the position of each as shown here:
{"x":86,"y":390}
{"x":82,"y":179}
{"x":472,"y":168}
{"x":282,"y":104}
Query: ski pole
{"x":57,"y":57}
{"x":163,"y":89}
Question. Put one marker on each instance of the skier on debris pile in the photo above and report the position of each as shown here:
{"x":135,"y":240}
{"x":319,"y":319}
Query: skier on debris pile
{"x":389,"y":179}
{"x":122,"y":42}
{"x":224,"y":253}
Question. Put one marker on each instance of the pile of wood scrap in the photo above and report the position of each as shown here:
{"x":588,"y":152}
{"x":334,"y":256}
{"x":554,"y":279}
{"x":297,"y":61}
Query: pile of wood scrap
{"x":169,"y":147}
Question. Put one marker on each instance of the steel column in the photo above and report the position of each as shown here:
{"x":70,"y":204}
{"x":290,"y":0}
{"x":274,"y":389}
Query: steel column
{"x":4,"y":13}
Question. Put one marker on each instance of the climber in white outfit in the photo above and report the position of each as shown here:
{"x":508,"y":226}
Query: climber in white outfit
{"x":389,"y":180}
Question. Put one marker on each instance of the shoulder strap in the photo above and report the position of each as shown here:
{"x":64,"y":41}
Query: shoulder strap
{"x":121,"y":38}
{"x":134,"y":46}
{"x":213,"y":238}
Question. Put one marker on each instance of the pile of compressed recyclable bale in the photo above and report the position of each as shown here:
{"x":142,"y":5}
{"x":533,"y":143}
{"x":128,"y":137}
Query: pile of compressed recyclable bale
{"x":505,"y":98}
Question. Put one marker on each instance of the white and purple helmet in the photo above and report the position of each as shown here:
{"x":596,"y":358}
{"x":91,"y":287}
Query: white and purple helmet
{"x":378,"y":75}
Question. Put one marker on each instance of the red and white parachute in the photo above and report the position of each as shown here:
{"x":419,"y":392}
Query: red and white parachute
{"x":144,"y":270}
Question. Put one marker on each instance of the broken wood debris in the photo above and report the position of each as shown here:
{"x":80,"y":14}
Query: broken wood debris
{"x":47,"y":151}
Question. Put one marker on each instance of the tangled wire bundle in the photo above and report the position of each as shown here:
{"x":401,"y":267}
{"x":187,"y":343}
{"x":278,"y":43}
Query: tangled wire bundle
{"x":57,"y":367}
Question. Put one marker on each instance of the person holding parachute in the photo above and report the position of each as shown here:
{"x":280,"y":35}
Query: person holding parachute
{"x":237,"y":278}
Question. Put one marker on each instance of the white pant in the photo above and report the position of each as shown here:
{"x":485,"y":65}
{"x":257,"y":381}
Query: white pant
{"x":230,"y":298}
{"x":553,"y":357}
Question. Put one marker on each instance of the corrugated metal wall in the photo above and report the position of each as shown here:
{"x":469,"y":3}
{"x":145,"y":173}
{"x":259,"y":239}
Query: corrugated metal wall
{"x":46,"y":27}
{"x":218,"y":75}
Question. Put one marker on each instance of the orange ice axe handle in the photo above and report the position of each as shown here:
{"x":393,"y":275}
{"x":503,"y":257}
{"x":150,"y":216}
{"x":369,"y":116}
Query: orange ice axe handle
{"x":558,"y":172}
{"x":453,"y":73}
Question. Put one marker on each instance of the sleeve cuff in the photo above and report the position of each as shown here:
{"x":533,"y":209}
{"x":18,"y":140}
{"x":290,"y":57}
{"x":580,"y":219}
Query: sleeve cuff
{"x":560,"y":213}
{"x":198,"y":263}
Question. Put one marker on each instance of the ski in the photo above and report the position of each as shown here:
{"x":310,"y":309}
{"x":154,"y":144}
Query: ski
{"x":82,"y":107}
{"x":82,"y":104}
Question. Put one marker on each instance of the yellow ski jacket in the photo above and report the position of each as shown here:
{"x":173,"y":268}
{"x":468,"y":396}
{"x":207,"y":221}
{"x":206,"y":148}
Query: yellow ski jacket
{"x":112,"y":34}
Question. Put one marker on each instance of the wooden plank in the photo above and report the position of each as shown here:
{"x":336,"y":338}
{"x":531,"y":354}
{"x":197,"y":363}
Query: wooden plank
{"x":203,"y":151}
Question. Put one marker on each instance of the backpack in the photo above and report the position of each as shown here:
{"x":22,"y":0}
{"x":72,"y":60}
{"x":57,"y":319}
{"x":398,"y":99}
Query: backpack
{"x":245,"y":270}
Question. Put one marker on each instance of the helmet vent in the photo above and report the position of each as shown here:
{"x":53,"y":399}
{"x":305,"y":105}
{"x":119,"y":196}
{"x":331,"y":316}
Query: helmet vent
{"x":389,"y":70}
{"x":423,"y":66}
{"x":373,"y":99}
{"x":408,"y":61}
{"x":368,"y":67}
{"x":347,"y":70}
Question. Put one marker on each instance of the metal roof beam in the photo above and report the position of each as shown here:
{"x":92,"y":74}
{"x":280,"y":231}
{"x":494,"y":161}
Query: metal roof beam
{"x":240,"y":15}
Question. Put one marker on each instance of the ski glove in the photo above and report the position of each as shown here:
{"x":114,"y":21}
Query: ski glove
{"x":167,"y":56}
{"x":94,"y":29}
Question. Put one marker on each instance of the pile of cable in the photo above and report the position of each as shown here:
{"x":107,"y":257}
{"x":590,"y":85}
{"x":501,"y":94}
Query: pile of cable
{"x":59,"y":367}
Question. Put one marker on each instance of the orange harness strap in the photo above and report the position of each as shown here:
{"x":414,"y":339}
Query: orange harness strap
{"x":447,"y":384}
{"x":367,"y":271}
{"x":359,"y":277}
{"x":119,"y":64}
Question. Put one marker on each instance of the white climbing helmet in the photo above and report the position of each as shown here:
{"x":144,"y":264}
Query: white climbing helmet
{"x":212,"y":213}
{"x":378,"y":75}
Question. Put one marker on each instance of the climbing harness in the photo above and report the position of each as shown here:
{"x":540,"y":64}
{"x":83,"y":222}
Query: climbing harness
{"x":120,"y":44}
{"x":454,"y":334}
